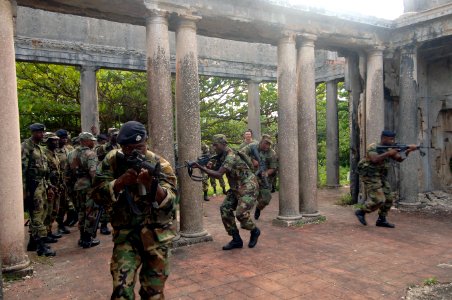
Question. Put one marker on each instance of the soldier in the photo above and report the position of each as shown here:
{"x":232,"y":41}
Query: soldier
{"x":373,"y":170}
{"x":66,"y":204}
{"x":267,"y":156}
{"x":205,"y":177}
{"x":213,"y":181}
{"x":242,"y":194}
{"x":102,"y":151}
{"x":247,"y":139}
{"x":34,"y":173}
{"x":56,"y":182}
{"x":83,"y":163}
{"x":142,"y":209}
{"x":102,"y":139}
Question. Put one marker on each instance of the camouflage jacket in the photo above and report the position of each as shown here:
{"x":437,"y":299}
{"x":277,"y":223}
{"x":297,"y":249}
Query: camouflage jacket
{"x":82,"y":162}
{"x":268,"y":157}
{"x":244,"y":144}
{"x":103,"y":150}
{"x":238,"y":170}
{"x":63,"y":154}
{"x":34,"y":162}
{"x":366,"y":168}
{"x":123,"y":216}
{"x":55,"y":174}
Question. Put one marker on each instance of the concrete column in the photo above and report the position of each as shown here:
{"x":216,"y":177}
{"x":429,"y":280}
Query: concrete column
{"x":160,"y":103}
{"x":375,"y":113}
{"x":409,"y":126}
{"x":307,"y":126}
{"x":188,"y":128}
{"x":287,"y":132}
{"x":89,"y":106}
{"x":254,"y":108}
{"x":14,"y":258}
{"x":332,"y":135}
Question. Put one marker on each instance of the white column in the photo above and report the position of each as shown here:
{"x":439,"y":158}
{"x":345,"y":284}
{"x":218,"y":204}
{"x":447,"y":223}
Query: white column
{"x":89,"y":107}
{"x":254,"y":108}
{"x":332,"y":135}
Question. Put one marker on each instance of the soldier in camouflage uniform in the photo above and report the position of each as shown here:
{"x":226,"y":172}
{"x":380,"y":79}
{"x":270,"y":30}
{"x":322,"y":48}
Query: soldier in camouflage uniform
{"x":213,"y":181}
{"x":102,"y":151}
{"x":83,"y":163}
{"x":373,"y":170}
{"x":142,"y":210}
{"x":34,"y":173}
{"x":56,"y":182}
{"x":242,"y":194}
{"x":248,"y":139}
{"x":66,"y":205}
{"x":268,"y":157}
{"x":205,"y":177}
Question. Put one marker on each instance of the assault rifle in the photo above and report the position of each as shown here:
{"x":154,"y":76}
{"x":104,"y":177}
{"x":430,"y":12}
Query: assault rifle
{"x":402,"y":148}
{"x":137,"y":161}
{"x":262,"y":167}
{"x":202,"y":160}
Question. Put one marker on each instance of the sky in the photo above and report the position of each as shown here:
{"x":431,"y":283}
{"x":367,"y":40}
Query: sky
{"x":385,"y":9}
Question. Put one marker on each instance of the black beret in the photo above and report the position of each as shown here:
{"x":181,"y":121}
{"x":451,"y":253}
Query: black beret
{"x":61,"y":133}
{"x":102,"y":137}
{"x":131,"y":132}
{"x":388,"y":133}
{"x":37,"y":127}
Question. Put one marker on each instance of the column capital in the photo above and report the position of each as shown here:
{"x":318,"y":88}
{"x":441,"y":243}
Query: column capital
{"x":254,"y":80}
{"x":156,"y":16}
{"x":408,"y":49}
{"x":287,"y":37}
{"x":306,"y":39}
{"x":376,"y":50}
{"x":187,"y":20}
{"x":89,"y":68}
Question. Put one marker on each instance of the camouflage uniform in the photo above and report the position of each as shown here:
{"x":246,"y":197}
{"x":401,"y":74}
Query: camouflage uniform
{"x":374,"y":177}
{"x":242,"y":194}
{"x":66,"y":203}
{"x":83,"y":163}
{"x":35,"y":170}
{"x":56,"y":181}
{"x":205,"y":177}
{"x":139,"y":239}
{"x":270,"y":160}
{"x":213,"y":181}
{"x":244,"y":144}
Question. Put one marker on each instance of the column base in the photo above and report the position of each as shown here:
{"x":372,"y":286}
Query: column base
{"x":185,"y":239}
{"x":409,"y":206}
{"x":20,"y":270}
{"x":315,"y":218}
{"x":333,"y":186}
{"x":286,"y":221}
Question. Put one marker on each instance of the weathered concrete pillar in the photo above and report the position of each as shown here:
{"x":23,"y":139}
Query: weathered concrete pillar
{"x":160,"y":103}
{"x":307,"y":126}
{"x":289,"y":206}
{"x":188,"y":129}
{"x":409,"y":126}
{"x":374,"y":96}
{"x":89,"y":106}
{"x":254,"y":108}
{"x":14,"y":258}
{"x":332,"y":135}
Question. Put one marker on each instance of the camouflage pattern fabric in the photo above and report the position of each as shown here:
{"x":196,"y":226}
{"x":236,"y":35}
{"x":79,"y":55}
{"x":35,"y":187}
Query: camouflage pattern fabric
{"x":213,"y":182}
{"x":377,"y":187}
{"x":66,"y":188}
{"x":140,"y":239}
{"x":205,"y":182}
{"x":102,"y":150}
{"x":34,"y":173}
{"x":244,"y":144}
{"x":241,"y":197}
{"x":56,"y":181}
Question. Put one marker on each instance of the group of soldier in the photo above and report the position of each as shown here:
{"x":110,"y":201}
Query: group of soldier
{"x":57,"y":178}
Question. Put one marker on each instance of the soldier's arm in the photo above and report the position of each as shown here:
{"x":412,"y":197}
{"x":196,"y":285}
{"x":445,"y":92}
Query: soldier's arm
{"x":376,"y":158}
{"x":103,"y":183}
{"x":92,"y":163}
{"x":167,"y":188}
{"x":272,"y":163}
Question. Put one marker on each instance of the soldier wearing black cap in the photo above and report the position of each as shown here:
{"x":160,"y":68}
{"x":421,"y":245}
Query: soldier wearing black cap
{"x":141,"y":204}
{"x":373,"y":170}
{"x":35,"y":172}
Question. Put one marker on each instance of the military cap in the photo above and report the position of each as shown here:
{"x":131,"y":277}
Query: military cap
{"x":131,"y":132}
{"x":87,"y":136}
{"x":267,"y":138}
{"x":113,"y":131}
{"x":50,"y":136}
{"x":388,"y":133}
{"x":37,"y":127}
{"x":102,"y":137}
{"x":219,"y":139}
{"x":61,"y":133}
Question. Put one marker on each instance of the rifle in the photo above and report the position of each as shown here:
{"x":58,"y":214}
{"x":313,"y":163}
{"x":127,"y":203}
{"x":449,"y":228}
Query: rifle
{"x":99,"y":214}
{"x":262,"y":167}
{"x":202,"y":160}
{"x":400,"y":148}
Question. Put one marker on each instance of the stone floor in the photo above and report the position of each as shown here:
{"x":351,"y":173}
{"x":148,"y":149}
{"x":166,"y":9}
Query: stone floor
{"x":338,"y":259}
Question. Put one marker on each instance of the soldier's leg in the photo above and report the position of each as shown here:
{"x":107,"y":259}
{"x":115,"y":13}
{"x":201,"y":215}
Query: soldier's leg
{"x":205,"y":186}
{"x":385,"y":207}
{"x":123,"y":268}
{"x":245,"y":205}
{"x":104,"y":219}
{"x":222,"y":184}
{"x":38,"y":229}
{"x":53,"y":214}
{"x":227,"y":209}
{"x":89,"y":223}
{"x":63,"y":209}
{"x":48,"y":217}
{"x":264,"y":198}
{"x":154,"y":272}
{"x":375,"y":196}
{"x":213,"y":184}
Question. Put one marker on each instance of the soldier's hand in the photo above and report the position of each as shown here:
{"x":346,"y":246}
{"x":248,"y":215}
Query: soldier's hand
{"x":413,"y":147}
{"x":255,"y":163}
{"x":392,"y":152}
{"x":196,"y":165}
{"x":144,"y":178}
{"x":209,"y":165}
{"x":129,"y":177}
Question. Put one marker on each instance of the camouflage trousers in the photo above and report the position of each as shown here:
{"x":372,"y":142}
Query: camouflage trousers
{"x":264,"y":198}
{"x":66,"y":204}
{"x":87,"y":211}
{"x":213,"y":182}
{"x":52,"y":210}
{"x":379,"y":195}
{"x":242,"y":202}
{"x":205,"y":182}
{"x":134,"y":249}
{"x":40,"y":210}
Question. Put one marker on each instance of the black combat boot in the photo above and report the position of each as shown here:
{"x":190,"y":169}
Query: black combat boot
{"x":49,"y":240}
{"x":257,"y":213}
{"x":205,"y":196}
{"x":71,"y":218}
{"x":382,"y":222}
{"x":43,"y":249}
{"x":87,"y":241}
{"x":235,"y":243}
{"x":104,"y":229}
{"x":54,"y":235}
{"x":224,"y":191}
{"x":360,"y":214}
{"x":255,"y":233}
{"x":32,"y":246}
{"x":215,"y":190}
{"x":63,"y":229}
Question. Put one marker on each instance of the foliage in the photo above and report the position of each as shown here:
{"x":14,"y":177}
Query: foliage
{"x":345,"y":199}
{"x":431,"y":281}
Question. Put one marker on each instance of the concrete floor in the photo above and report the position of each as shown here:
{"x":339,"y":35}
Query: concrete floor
{"x":338,"y":259}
